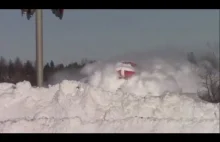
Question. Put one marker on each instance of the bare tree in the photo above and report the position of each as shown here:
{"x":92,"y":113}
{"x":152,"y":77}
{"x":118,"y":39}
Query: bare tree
{"x":208,"y":66}
{"x":210,"y":82}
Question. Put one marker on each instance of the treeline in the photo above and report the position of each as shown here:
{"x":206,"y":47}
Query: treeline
{"x":14,"y":71}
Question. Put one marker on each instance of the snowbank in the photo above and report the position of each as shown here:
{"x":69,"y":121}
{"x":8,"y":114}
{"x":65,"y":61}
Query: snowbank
{"x":72,"y":106}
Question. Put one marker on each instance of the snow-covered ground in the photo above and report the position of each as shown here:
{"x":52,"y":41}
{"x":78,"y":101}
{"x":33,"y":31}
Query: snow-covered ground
{"x":160,"y":98}
{"x":76,"y":107}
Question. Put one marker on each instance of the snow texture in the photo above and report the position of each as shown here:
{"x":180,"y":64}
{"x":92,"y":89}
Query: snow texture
{"x":73,"y":106}
{"x":160,"y":98}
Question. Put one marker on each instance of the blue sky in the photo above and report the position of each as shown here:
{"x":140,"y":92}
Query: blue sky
{"x":101,"y":34}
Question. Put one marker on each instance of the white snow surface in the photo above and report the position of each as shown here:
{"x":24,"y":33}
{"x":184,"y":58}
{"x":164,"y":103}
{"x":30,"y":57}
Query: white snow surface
{"x":73,"y":106}
{"x":160,"y":98}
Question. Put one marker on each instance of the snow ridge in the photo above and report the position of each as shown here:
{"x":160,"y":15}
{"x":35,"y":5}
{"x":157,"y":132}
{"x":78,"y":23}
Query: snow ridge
{"x":73,"y":106}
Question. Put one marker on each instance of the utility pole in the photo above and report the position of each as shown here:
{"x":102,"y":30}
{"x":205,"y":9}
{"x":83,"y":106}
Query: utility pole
{"x":39,"y":37}
{"x":39,"y":46}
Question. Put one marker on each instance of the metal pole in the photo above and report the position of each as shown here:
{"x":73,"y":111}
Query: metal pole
{"x":39,"y":46}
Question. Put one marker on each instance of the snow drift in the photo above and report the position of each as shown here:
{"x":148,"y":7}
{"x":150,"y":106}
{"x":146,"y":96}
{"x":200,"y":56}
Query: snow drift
{"x":73,"y":106}
{"x":161,"y":97}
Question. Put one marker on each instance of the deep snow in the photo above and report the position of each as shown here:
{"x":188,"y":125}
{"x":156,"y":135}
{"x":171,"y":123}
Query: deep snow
{"x":161,"y":97}
{"x":77,"y":107}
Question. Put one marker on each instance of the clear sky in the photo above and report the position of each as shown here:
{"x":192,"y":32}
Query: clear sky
{"x":100,"y":34}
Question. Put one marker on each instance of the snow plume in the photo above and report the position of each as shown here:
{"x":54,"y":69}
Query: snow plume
{"x":158,"y":72}
{"x":67,"y":74}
